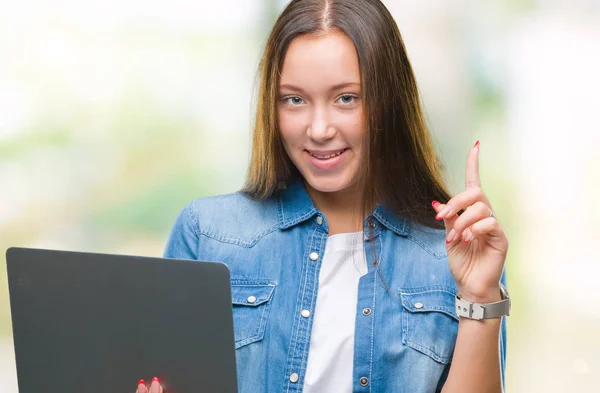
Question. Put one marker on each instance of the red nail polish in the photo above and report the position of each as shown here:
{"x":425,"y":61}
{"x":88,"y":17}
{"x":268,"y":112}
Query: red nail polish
{"x":438,"y":218}
{"x":434,"y":204}
{"x":155,"y":379}
{"x":477,"y":144}
{"x":141,"y":382}
{"x":448,"y":242}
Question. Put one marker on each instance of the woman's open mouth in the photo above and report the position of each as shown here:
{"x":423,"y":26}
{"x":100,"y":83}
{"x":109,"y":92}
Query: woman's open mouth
{"x":326,"y":160}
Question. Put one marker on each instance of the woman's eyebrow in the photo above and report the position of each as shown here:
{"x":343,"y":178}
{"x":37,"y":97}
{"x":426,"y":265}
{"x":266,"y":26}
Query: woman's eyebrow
{"x":338,"y":86}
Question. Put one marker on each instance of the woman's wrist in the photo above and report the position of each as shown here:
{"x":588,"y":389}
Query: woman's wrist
{"x":483,"y":295}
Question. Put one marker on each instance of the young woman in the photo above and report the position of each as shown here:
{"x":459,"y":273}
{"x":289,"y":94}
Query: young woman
{"x":344,"y":278}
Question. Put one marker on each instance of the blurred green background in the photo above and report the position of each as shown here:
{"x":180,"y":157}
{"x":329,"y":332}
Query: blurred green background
{"x":115,"y":114}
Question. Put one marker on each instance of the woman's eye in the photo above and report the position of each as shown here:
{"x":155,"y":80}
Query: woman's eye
{"x":347,"y":99}
{"x":293,"y":100}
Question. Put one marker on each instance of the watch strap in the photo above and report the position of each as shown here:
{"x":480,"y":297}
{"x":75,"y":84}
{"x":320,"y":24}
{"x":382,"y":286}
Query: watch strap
{"x":483,"y":311}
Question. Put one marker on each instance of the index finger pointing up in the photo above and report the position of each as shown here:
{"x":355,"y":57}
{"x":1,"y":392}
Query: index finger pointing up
{"x":472,"y":177}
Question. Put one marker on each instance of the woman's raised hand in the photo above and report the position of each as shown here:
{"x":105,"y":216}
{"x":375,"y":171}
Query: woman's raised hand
{"x":475,"y":241}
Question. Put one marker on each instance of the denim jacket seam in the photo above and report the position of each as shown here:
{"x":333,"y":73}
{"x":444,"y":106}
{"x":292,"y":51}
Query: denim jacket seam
{"x":303,"y":217}
{"x":253,"y":283}
{"x":266,"y":307}
{"x":424,"y":289}
{"x":429,"y":352}
{"x":295,"y":335}
{"x":281,"y":212}
{"x":424,"y":246}
{"x":373,"y":326}
{"x":238,"y":242}
{"x":410,"y":236}
{"x":313,"y":298}
{"x":389,"y":224}
{"x":195,"y":223}
{"x":315,"y":278}
{"x":382,"y":260}
{"x":445,"y":310}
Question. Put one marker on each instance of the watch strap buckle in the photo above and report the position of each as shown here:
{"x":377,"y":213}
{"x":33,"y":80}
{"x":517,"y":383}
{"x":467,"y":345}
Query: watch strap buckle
{"x":469,"y":310}
{"x":483,"y":311}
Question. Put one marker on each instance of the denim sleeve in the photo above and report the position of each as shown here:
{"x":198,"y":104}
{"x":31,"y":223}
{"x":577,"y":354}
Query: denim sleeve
{"x":503,"y":339}
{"x":183,"y":240}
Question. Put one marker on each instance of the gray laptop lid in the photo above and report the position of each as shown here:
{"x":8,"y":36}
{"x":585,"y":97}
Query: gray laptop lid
{"x":98,"y":323}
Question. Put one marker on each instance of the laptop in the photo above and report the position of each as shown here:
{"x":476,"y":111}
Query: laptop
{"x":98,"y":323}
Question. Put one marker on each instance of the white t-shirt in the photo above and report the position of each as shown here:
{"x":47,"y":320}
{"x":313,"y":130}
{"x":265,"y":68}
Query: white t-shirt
{"x":331,"y":353}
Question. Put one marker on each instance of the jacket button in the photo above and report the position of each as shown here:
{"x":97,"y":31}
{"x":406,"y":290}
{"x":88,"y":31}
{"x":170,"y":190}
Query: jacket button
{"x":319,"y":220}
{"x":251,"y":299}
{"x":418,"y":305}
{"x":371,"y":224}
{"x":305,"y":313}
{"x":364,"y":381}
{"x":294,"y":378}
{"x":367,"y":311}
{"x":313,"y":256}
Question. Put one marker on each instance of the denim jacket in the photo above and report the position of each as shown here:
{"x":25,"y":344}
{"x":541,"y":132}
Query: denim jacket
{"x":406,"y":324}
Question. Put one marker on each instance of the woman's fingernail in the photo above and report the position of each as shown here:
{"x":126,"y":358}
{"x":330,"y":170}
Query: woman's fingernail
{"x":468,"y":237}
{"x":443,"y":213}
{"x":476,"y":144}
{"x":450,"y":236}
{"x":435,"y":204}
{"x":141,"y":382}
{"x":155,"y":379}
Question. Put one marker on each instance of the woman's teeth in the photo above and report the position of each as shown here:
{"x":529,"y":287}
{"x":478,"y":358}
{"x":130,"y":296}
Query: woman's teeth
{"x":327,"y":156}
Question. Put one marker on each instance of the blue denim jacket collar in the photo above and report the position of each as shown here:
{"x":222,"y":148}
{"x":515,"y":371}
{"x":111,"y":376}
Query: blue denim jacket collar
{"x":296,"y":206}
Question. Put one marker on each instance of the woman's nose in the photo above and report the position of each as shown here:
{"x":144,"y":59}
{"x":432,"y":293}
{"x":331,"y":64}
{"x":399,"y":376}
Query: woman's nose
{"x":320,"y":128}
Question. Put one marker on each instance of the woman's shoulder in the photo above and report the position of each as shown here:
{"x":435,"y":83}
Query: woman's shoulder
{"x":233,"y":206}
{"x":232,"y":218}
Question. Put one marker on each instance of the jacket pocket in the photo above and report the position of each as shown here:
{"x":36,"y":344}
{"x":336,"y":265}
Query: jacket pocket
{"x":429,"y":321}
{"x":251,"y":303}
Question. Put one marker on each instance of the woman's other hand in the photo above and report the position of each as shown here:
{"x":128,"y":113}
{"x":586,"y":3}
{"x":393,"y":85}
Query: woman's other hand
{"x":155,"y":386}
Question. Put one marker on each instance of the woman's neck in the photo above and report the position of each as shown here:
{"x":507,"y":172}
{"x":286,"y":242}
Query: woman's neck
{"x":340,"y":208}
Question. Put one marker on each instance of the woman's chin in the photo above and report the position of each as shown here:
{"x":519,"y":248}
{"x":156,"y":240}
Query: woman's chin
{"x":328,"y":184}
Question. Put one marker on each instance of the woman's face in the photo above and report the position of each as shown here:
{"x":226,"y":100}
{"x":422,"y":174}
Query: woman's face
{"x":320,"y":112}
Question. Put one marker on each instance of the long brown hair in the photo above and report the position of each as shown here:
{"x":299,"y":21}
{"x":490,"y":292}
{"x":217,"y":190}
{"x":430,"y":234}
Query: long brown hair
{"x":401,"y":169}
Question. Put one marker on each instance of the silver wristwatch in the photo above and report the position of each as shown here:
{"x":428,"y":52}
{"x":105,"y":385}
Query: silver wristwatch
{"x":484,"y":311}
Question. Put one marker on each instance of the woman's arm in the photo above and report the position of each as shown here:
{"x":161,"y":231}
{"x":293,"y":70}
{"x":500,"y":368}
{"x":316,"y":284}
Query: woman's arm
{"x":183,"y":240}
{"x":476,"y":365}
{"x":477,"y":246}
